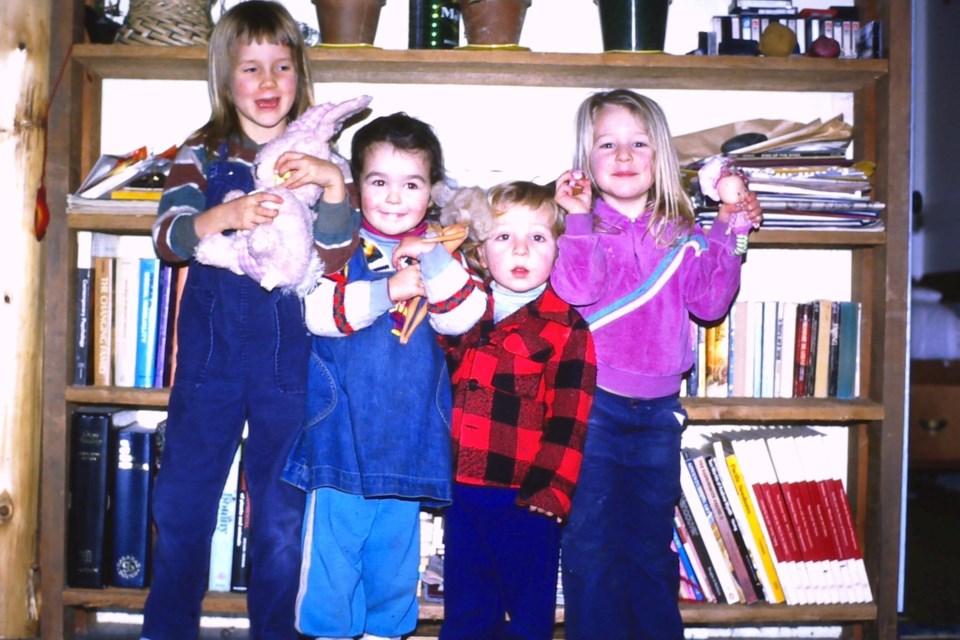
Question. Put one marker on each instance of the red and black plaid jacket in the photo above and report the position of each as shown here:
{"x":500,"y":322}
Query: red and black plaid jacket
{"x":522,"y":392}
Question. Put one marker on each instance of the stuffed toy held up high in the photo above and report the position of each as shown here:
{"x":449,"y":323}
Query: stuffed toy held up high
{"x":281,"y":254}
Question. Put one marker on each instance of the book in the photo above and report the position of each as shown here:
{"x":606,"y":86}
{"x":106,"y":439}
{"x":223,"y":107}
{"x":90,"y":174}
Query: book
{"x":744,"y":511}
{"x":124,"y":173}
{"x":689,"y":590}
{"x":221,"y":542}
{"x":833,"y":355}
{"x":133,"y":458}
{"x":102,"y":320}
{"x":788,"y":340}
{"x":761,"y":480}
{"x":148,"y":301}
{"x":240,"y":578}
{"x":801,"y":367}
{"x":709,"y":580}
{"x":848,"y":357}
{"x":700,"y":508}
{"x":739,"y":338}
{"x":737,"y":551}
{"x":126,"y":306}
{"x":82,"y":352}
{"x":821,"y":358}
{"x":690,"y":559}
{"x":802,"y":514}
{"x":90,"y":439}
{"x":167,"y":283}
{"x":768,"y":349}
{"x":137,"y":193}
{"x":717,"y":341}
{"x":108,"y":165}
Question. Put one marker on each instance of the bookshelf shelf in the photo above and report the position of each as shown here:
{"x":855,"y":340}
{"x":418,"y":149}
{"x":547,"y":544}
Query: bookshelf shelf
{"x":880,"y":261}
{"x":513,"y":68}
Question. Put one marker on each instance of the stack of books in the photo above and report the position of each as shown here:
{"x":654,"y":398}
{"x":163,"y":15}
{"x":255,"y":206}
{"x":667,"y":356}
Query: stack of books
{"x":132,"y":182}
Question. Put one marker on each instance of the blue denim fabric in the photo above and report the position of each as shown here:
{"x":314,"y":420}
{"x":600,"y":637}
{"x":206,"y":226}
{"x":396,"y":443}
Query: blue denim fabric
{"x":499,"y":560}
{"x":620,"y":576}
{"x":378,"y":413}
{"x":242,"y":357}
{"x":360,"y":566}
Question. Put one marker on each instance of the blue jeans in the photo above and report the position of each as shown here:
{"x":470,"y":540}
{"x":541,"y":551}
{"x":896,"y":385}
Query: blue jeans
{"x":620,"y":576}
{"x":500,"y":560}
{"x":242,"y":357}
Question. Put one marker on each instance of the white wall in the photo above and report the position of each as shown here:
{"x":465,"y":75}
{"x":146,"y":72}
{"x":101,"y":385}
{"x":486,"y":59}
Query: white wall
{"x":491,"y":133}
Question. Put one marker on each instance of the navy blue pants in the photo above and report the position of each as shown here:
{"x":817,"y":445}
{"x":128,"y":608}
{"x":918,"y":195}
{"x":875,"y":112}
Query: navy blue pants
{"x":242,"y":355}
{"x":620,"y":576}
{"x":499,"y":560}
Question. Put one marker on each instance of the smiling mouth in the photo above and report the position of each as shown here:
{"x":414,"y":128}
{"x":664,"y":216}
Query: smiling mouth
{"x":268,"y":103}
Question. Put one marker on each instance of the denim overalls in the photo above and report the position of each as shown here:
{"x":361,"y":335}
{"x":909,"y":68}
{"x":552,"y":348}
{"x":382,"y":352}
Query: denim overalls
{"x":242,"y":357}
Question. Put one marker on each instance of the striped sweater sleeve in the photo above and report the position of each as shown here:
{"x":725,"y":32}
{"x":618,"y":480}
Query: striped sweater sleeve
{"x":183,"y":198}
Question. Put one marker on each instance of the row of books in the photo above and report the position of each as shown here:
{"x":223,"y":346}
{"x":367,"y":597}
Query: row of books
{"x":114,"y":455}
{"x":779,"y":349}
{"x":767,"y":519}
{"x":126,"y":307}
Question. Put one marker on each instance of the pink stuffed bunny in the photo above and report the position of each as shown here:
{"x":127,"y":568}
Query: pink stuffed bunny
{"x":281,"y":254}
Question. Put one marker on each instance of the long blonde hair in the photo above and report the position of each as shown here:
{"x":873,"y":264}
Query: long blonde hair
{"x":670,"y":202}
{"x":251,"y":21}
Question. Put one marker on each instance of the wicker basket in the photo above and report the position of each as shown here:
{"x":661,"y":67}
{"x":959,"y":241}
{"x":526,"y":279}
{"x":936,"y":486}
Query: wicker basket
{"x":167,"y":22}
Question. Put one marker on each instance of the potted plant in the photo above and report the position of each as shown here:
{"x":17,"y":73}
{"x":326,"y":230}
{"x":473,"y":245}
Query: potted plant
{"x":348,"y":22}
{"x":493,"y":23}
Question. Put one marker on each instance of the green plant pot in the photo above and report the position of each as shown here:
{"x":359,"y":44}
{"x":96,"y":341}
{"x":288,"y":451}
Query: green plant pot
{"x":633,"y":25}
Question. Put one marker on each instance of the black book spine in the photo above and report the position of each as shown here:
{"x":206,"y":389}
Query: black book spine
{"x":87,"y":511}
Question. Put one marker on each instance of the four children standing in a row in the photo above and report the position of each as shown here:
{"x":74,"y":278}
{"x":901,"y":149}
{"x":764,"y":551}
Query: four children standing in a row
{"x":565,"y":350}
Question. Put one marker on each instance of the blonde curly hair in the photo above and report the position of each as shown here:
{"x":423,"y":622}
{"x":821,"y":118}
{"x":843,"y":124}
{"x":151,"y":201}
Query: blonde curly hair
{"x":478,"y":209}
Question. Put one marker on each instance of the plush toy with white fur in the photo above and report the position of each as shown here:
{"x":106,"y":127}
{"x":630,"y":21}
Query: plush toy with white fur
{"x":281,"y":254}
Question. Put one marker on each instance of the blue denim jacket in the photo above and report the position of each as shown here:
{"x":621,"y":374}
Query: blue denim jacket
{"x":378,"y":413}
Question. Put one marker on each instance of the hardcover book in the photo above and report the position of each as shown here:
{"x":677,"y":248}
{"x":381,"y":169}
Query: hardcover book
{"x":103,"y":321}
{"x":84,"y":309}
{"x":709,"y":580}
{"x":221,"y":543}
{"x":240,"y":580}
{"x":147,"y":314}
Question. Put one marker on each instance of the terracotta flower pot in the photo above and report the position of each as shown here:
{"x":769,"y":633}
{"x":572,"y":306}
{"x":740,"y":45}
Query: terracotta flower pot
{"x":348,"y":21}
{"x":493,"y":22}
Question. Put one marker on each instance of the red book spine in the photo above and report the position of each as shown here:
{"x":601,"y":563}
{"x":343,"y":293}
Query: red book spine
{"x":801,"y":367}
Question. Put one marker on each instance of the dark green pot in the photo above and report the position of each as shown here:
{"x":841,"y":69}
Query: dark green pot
{"x":633,"y":25}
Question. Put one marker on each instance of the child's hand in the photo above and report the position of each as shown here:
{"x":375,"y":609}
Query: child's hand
{"x":410,"y":249}
{"x":297,"y":169}
{"x":544,"y":512}
{"x":243,"y":213}
{"x":405,"y":284}
{"x":573,"y":192}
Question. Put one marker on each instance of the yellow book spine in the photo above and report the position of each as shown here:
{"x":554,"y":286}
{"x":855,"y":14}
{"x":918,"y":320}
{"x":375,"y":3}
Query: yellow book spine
{"x":748,"y":508}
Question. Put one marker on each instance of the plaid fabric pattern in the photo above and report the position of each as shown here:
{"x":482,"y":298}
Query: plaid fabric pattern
{"x":523,"y":389}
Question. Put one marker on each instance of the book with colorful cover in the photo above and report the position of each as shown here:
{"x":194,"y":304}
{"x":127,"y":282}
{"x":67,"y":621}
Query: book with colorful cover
{"x":698,"y":573}
{"x":147,"y":314}
{"x":801,"y":367}
{"x":848,"y":357}
{"x":709,"y":580}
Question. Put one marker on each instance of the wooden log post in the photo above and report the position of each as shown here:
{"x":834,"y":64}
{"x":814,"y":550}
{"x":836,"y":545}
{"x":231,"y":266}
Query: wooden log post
{"x":24,"y":66}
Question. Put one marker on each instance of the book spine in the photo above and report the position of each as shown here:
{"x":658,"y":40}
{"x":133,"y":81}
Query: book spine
{"x":690,"y":483}
{"x":132,"y":482}
{"x":103,"y":321}
{"x":789,"y":342}
{"x":801,"y":369}
{"x":126,"y":305}
{"x":221,"y":543}
{"x":833,"y":370}
{"x":696,"y":571}
{"x":147,"y":313}
{"x":768,"y":357}
{"x":757,"y":533}
{"x":240,"y":580}
{"x":711,"y":586}
{"x":84,"y":309}
{"x":689,"y":587}
{"x":87,"y":511}
{"x":824,"y":323}
{"x":848,"y":358}
{"x":746,"y":567}
{"x":164,"y":315}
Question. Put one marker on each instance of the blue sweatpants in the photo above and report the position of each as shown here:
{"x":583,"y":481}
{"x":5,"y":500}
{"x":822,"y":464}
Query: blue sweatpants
{"x":360,"y":570}
{"x":242,"y":357}
{"x":620,"y":576}
{"x":500,"y":562}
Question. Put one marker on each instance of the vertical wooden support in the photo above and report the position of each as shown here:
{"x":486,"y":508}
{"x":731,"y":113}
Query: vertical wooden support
{"x":24,"y":62}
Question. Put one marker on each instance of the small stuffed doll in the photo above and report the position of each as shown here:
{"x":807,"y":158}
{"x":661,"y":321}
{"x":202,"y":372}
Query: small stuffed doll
{"x":722,"y":181}
{"x":280,"y":253}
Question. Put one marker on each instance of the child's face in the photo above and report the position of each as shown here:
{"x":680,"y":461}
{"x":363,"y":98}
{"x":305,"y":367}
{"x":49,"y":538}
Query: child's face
{"x":264,"y":88}
{"x":621,"y":158}
{"x":521,"y":248}
{"x":394,"y":188}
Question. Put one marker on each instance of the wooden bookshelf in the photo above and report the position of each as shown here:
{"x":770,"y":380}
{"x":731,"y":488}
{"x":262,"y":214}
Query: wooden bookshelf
{"x":880,"y":273}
